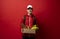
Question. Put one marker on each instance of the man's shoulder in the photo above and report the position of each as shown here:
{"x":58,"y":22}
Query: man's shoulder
{"x":33,"y":15}
{"x":25,"y":16}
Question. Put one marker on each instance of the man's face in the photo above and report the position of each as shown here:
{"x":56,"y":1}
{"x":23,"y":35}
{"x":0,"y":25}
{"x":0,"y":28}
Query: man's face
{"x":29,"y":11}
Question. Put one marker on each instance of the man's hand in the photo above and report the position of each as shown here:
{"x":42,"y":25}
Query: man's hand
{"x":28,"y":27}
{"x":35,"y":27}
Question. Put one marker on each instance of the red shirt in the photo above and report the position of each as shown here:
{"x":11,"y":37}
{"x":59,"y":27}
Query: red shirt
{"x":28,"y":21}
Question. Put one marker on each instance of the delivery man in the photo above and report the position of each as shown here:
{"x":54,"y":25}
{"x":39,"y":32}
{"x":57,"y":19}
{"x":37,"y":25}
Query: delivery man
{"x":29,"y":22}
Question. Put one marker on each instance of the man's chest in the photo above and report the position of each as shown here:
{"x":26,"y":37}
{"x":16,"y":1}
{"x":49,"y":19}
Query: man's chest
{"x":29,"y":19}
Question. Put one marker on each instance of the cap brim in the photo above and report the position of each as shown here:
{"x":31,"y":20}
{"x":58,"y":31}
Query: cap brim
{"x":29,"y":8}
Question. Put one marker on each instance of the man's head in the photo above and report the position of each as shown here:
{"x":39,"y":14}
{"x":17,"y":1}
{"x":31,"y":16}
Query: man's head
{"x":29,"y":9}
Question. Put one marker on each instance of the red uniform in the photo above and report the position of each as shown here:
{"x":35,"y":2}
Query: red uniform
{"x":29,"y":20}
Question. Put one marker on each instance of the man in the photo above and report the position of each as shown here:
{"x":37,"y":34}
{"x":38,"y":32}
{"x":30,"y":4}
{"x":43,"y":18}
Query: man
{"x":28,"y":21}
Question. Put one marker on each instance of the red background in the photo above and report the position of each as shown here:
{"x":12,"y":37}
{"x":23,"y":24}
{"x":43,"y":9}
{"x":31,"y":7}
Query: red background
{"x":46,"y":12}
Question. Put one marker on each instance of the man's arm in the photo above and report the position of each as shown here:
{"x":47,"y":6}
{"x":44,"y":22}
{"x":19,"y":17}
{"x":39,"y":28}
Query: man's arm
{"x":23,"y":22}
{"x":35,"y":24}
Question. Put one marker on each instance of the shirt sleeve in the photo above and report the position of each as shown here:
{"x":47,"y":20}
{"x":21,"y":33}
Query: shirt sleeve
{"x":22,"y":24}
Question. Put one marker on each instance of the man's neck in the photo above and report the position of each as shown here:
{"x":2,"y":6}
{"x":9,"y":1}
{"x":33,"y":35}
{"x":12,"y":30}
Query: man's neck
{"x":29,"y":14}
